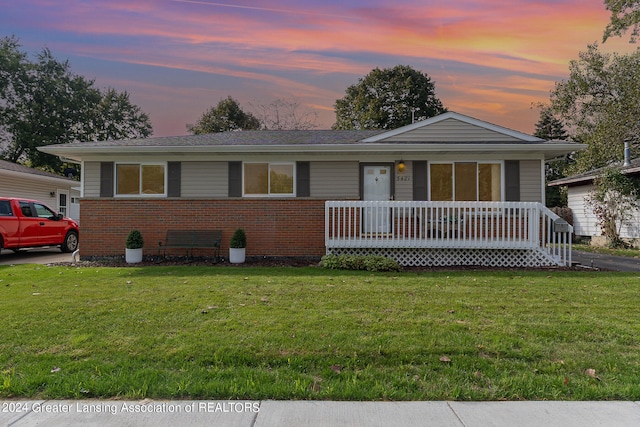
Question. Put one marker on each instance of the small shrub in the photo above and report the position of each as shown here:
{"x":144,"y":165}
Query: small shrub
{"x":239,"y":239}
{"x":380,"y":263}
{"x":134,"y":240}
{"x":355,"y":262}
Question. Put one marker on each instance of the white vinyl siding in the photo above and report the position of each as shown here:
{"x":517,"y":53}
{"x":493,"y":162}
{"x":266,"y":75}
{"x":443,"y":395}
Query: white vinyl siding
{"x":25,"y":188}
{"x":585,"y":222}
{"x":530,"y":181}
{"x":204,"y":179}
{"x":29,"y":186}
{"x":335,"y":180}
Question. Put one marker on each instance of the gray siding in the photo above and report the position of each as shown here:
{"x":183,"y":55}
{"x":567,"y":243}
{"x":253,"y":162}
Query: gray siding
{"x":335,"y":180}
{"x":91,"y":172}
{"x":530,"y":181}
{"x":404,"y":182}
{"x":204,"y":179}
{"x":452,"y":130}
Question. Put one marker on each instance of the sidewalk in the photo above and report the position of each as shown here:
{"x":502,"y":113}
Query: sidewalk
{"x":271,"y":413}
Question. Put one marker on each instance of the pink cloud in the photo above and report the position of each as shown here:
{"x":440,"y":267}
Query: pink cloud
{"x":283,"y":48}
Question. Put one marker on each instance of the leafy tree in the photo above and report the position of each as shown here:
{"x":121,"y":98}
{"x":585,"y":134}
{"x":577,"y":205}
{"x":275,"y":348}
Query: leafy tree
{"x":551,"y":128}
{"x":284,"y":114}
{"x":388,"y":99}
{"x":117,"y":118}
{"x":600,"y":104}
{"x":227,"y":115}
{"x":55,"y":111}
{"x":625,"y":15}
{"x":44,"y":102}
{"x":14,"y":84}
{"x":613,"y":200}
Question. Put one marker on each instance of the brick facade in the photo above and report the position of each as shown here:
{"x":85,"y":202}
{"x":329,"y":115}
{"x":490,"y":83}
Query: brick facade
{"x":274,"y":227}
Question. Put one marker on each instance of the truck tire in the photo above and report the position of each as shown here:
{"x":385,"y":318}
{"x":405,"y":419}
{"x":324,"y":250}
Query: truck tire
{"x":70,"y":243}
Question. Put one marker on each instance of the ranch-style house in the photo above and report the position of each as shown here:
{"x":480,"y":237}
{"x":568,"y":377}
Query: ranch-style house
{"x":449,"y":190}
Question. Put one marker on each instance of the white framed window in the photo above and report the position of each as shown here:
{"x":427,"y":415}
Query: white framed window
{"x":268,"y":179}
{"x":141,"y":179}
{"x":466,"y":181}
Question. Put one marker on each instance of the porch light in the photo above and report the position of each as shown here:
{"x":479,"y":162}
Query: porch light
{"x":401,"y":166}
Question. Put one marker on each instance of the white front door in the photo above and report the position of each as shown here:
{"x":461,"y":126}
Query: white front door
{"x":377,"y":187}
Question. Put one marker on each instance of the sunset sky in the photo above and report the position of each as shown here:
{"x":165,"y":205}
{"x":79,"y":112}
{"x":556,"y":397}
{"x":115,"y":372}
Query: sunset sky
{"x":490,"y":59}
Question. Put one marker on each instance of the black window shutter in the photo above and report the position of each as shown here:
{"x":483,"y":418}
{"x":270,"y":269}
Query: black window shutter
{"x":420,"y":180}
{"x":303,"y":179}
{"x":106,"y":179}
{"x":174,"y":170}
{"x":512,"y":178}
{"x":235,"y":179}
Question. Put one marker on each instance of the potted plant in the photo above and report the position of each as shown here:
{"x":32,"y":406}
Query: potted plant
{"x":133,"y":249}
{"x":237,"y":247}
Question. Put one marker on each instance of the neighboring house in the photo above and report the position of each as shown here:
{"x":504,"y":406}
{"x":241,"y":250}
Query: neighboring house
{"x":447,"y":190}
{"x":585,"y":223}
{"x":60,"y":193}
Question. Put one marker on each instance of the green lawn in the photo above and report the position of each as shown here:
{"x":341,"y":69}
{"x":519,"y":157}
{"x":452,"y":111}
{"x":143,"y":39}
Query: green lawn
{"x":308,"y":333}
{"x":630,"y":252}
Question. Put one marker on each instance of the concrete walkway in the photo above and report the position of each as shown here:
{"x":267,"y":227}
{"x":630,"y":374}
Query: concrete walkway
{"x":271,"y":413}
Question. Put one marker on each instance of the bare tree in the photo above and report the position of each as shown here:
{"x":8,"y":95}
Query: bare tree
{"x":285,"y":114}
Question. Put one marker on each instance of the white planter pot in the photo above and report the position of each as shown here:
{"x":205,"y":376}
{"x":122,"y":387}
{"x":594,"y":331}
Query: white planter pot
{"x":133,"y":256}
{"x":236,"y":255}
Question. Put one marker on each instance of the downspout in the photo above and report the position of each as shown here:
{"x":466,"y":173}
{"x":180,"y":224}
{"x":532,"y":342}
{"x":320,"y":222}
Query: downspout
{"x":627,"y":152}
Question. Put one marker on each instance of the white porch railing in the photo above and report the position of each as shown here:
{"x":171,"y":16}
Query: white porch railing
{"x":448,"y":225}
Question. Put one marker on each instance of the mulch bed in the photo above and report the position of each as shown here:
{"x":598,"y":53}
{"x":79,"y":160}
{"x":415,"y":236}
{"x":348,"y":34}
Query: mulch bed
{"x":278,"y":262}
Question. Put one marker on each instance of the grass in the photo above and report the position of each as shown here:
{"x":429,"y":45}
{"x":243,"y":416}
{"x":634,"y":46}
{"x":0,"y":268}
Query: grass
{"x":630,"y":252}
{"x":307,"y":333}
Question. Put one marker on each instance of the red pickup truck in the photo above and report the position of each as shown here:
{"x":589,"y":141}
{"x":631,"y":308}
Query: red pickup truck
{"x":30,"y":223}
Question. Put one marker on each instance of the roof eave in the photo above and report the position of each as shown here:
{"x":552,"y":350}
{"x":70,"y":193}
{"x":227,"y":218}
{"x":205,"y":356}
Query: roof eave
{"x":76,"y":153}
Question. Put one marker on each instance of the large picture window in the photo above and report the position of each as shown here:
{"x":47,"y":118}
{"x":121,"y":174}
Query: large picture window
{"x":269,"y":179}
{"x":140,"y":179}
{"x":466,"y":181}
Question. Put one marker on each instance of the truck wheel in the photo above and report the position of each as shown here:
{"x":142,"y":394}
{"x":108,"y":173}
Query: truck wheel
{"x":70,"y":243}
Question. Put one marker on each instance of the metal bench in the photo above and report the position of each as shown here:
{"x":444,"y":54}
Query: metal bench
{"x":192,"y":239}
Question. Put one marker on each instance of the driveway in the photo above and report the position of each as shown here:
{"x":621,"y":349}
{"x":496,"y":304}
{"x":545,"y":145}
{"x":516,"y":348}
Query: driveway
{"x":34,"y":256}
{"x":606,"y":262}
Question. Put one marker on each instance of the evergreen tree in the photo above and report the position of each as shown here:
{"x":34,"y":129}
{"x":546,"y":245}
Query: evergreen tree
{"x":551,"y":128}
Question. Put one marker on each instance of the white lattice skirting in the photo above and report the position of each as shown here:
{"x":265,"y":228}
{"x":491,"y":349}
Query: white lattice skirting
{"x":442,"y":257}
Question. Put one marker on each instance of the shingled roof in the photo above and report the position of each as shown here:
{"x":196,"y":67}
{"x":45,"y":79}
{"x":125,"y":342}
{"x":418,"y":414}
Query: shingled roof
{"x":632,"y":169}
{"x":245,"y":137}
{"x":447,"y":133}
{"x":18,"y":168}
